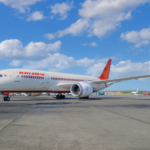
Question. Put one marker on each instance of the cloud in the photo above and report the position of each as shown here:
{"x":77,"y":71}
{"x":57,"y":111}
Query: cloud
{"x":16,"y":63}
{"x":39,"y":55}
{"x":109,"y":8}
{"x":122,"y":69}
{"x":75,"y":29}
{"x":105,"y":15}
{"x":61,"y":9}
{"x":101,"y":27}
{"x":101,"y":17}
{"x":37,"y":15}
{"x":91,"y":44}
{"x":13,"y":49}
{"x":139,"y":38}
{"x":49,"y":36}
{"x":21,"y":5}
{"x":54,"y":62}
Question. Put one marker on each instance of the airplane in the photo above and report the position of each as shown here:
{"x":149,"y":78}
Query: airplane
{"x":135,"y":92}
{"x":24,"y":94}
{"x":35,"y":82}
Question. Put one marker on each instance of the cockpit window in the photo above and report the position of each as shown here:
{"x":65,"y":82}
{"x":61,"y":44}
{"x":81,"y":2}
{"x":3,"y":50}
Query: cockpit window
{"x":1,"y":75}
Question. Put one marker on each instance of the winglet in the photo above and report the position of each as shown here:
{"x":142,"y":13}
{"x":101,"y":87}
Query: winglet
{"x":105,"y":73}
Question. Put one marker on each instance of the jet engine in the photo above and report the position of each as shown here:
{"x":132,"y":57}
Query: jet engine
{"x":34,"y":94}
{"x":81,"y":89}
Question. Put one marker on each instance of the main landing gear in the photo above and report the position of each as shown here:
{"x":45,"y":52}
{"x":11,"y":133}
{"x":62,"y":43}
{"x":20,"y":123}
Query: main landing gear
{"x":6,"y":98}
{"x":87,"y":97}
{"x":60,"y":96}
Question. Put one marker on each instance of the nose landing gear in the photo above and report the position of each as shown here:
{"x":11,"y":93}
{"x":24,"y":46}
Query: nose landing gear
{"x":6,"y":98}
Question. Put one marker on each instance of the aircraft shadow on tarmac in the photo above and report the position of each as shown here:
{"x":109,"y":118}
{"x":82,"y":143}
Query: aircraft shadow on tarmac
{"x":53,"y":103}
{"x":135,"y":106}
{"x":45,"y":104}
{"x":32,"y":99}
{"x":118,"y":98}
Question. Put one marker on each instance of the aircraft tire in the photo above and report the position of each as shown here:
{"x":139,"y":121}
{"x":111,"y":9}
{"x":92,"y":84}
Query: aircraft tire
{"x":84,"y":97}
{"x":6,"y":98}
{"x":60,"y":96}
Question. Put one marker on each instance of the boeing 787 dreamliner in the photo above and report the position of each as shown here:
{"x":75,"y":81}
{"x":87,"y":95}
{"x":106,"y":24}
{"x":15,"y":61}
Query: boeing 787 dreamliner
{"x":34,"y":82}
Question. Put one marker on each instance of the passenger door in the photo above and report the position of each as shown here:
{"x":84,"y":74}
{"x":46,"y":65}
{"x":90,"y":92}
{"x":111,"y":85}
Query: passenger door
{"x":47,"y":81}
{"x":16,"y":77}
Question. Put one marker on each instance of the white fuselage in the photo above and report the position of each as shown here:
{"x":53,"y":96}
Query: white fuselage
{"x":135,"y":92}
{"x":25,"y":80}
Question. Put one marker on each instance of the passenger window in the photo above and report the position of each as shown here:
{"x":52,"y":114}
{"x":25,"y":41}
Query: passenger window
{"x":1,"y":75}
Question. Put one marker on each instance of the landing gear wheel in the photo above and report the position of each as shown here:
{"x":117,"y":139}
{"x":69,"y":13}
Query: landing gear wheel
{"x":60,"y":96}
{"x":6,"y":98}
{"x":57,"y":96}
{"x":87,"y":97}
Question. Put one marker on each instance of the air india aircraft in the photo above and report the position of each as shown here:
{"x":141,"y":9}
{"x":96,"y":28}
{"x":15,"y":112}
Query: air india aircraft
{"x":34,"y":82}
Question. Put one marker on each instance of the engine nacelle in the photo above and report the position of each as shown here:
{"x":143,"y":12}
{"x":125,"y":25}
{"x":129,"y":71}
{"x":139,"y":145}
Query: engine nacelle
{"x":34,"y":94}
{"x":81,"y":89}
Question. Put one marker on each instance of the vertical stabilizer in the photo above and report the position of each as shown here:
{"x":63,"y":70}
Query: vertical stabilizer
{"x":105,"y":73}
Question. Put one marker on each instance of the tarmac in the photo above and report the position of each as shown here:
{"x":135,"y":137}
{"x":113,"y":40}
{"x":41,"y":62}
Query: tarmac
{"x":98,"y":123}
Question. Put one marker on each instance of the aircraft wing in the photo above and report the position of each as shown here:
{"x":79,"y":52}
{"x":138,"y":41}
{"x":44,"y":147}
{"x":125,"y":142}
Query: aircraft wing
{"x":119,"y":79}
{"x":68,"y":85}
{"x":64,"y":85}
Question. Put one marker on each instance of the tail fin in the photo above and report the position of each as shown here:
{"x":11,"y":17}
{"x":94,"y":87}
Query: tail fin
{"x":105,"y":73}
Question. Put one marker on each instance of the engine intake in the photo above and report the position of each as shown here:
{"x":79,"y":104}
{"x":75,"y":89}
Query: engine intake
{"x":81,"y":89}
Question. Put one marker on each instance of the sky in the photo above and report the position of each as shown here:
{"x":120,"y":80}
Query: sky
{"x":78,"y":37}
